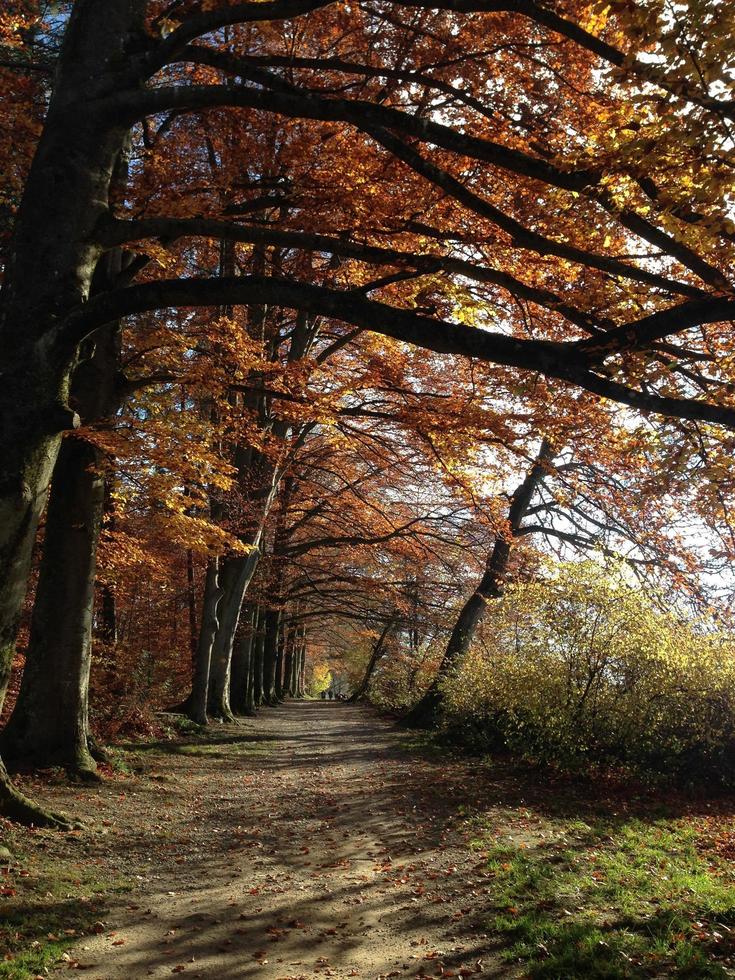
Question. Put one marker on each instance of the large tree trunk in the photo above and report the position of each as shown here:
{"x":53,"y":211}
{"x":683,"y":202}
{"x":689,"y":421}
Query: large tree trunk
{"x":236,"y":575}
{"x":52,"y":258}
{"x":49,"y":725}
{"x":426,"y":712}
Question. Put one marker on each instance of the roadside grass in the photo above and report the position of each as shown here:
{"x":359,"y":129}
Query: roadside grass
{"x":46,"y":905}
{"x":612,"y":899}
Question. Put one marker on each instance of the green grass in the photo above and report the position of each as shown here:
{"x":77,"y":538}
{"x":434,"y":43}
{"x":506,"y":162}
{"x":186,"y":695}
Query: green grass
{"x":613,"y":900}
{"x":55,"y":901}
{"x":233,"y":746}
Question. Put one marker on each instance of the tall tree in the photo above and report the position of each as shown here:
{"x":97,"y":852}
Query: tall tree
{"x":597,"y":213}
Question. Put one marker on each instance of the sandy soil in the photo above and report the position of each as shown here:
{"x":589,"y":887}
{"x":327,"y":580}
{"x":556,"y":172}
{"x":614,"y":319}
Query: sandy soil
{"x":303,"y":843}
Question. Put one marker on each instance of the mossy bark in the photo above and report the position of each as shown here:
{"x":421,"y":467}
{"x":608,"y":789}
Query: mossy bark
{"x":54,"y":253}
{"x":49,"y":725}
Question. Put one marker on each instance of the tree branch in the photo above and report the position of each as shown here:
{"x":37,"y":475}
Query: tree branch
{"x":558,"y":360}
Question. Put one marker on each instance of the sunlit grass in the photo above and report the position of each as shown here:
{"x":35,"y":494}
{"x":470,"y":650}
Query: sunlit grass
{"x":613,"y":900}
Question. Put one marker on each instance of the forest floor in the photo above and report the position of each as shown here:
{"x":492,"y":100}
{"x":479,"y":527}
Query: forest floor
{"x":319,"y":840}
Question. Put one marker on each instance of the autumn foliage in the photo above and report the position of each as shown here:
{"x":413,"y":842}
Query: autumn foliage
{"x":363,"y":322}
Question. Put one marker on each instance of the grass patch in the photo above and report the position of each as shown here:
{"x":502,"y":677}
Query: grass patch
{"x":223,"y":748}
{"x":430,"y":745}
{"x":613,"y":900}
{"x":46,"y":905}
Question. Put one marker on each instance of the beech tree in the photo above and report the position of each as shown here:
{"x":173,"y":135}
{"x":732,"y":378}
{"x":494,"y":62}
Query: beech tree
{"x":570,"y":181}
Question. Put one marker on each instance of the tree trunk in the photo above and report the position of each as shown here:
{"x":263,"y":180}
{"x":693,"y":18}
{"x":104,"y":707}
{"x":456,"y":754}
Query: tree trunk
{"x":195,"y":705}
{"x":280,"y":662}
{"x":49,"y":725}
{"x":270,"y":655}
{"x":288,"y":687}
{"x":378,"y":651}
{"x":191,"y":602}
{"x":257,"y":670}
{"x":107,"y":629}
{"x":53,"y":255}
{"x":240,"y":680}
{"x":236,"y":575}
{"x":301,"y":663}
{"x":426,"y":712}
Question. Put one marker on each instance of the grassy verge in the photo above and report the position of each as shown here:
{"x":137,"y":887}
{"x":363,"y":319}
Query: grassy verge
{"x":46,"y":905}
{"x":612,"y":899}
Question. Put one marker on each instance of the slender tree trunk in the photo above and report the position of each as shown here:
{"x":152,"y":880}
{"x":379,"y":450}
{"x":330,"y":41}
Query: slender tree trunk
{"x":301,"y":641}
{"x":280,"y":662}
{"x":258,"y":658}
{"x":426,"y":712}
{"x":196,"y":704}
{"x":270,"y":655}
{"x":108,"y":603}
{"x":191,"y":601}
{"x":240,"y":686}
{"x":288,"y":663}
{"x":108,"y":616}
{"x":378,"y":651}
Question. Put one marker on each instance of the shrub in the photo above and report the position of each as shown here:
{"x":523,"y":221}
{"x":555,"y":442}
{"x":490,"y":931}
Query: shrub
{"x":584,"y":667}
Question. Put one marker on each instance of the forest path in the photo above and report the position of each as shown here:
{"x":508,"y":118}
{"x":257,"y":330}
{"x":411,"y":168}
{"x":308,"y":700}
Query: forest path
{"x":303,"y":844}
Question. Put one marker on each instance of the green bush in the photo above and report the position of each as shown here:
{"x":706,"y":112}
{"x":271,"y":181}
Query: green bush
{"x":584,"y":668}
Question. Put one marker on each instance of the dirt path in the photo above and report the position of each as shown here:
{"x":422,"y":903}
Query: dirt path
{"x":305,"y":843}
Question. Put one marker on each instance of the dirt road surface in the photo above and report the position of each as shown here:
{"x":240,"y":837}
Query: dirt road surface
{"x":305,"y":843}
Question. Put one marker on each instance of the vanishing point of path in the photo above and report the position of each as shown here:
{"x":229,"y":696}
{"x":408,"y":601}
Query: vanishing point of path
{"x":305,"y":843}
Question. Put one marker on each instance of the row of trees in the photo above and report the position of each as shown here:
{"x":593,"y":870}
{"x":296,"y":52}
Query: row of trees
{"x":317,"y":318}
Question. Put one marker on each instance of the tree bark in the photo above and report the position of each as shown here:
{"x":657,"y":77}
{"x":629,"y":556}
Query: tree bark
{"x":195,"y":705}
{"x":425,"y":714}
{"x":49,"y":725}
{"x":48,"y":275}
{"x":288,"y":689}
{"x":241,"y":687}
{"x":259,"y":642}
{"x":191,"y":602}
{"x":378,"y":651}
{"x":270,"y":655}
{"x":281,"y":681}
{"x":301,"y":664}
{"x":236,"y":575}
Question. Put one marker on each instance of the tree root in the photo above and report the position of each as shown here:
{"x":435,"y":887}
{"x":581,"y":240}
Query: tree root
{"x":15,"y":806}
{"x":83,"y":774}
{"x":98,"y":753}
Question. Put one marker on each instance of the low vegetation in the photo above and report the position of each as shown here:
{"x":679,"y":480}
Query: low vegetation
{"x":582,"y":670}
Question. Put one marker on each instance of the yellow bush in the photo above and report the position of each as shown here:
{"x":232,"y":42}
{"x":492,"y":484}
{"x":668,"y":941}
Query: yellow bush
{"x":584,"y":667}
